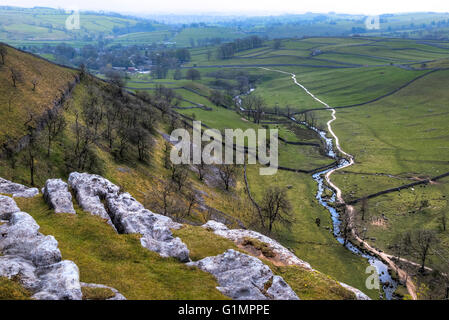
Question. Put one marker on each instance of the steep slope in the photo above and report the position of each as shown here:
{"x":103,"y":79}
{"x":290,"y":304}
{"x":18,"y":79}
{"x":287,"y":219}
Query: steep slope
{"x":29,"y":86}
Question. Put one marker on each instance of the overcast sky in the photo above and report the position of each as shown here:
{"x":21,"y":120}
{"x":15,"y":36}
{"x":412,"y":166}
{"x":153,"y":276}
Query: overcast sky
{"x":247,"y":6}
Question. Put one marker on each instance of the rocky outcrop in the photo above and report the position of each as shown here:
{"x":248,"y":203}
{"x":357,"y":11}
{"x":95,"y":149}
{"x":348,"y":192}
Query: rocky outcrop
{"x":34,"y":258}
{"x":7,"y":207}
{"x":17,"y":190}
{"x":283,"y":255}
{"x":359,"y":295}
{"x":56,"y":194}
{"x":243,"y":277}
{"x":117,"y":295}
{"x":127,"y":215}
{"x":90,"y":190}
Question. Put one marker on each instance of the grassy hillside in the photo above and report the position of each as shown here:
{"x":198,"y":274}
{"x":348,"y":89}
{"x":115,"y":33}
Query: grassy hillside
{"x":18,"y":102}
{"x":119,"y":260}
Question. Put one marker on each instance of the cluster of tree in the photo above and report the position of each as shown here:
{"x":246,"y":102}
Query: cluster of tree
{"x":117,"y":121}
{"x":254,"y":106}
{"x":228,"y":50}
{"x":164,"y":60}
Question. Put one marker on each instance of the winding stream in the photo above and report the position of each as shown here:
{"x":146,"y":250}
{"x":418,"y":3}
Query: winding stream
{"x":325,"y":184}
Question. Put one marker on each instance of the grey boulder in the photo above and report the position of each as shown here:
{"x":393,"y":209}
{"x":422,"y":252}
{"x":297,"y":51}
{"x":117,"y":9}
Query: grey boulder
{"x":17,"y":190}
{"x":128,"y":215}
{"x":243,"y":277}
{"x":7,"y":207}
{"x":59,"y":281}
{"x":238,"y":235}
{"x":56,"y":194}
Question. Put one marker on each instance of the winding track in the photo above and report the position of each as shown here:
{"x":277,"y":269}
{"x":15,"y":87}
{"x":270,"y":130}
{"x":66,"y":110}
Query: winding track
{"x":403,"y":275}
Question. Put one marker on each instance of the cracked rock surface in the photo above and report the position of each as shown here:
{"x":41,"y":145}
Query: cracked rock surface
{"x":128,"y":215}
{"x":17,"y":190}
{"x":117,"y":294}
{"x":243,"y":277}
{"x":34,"y":258}
{"x":56,"y":194}
{"x":237,"y":235}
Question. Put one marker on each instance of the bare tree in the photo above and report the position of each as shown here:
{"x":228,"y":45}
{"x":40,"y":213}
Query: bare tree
{"x":276,"y":207}
{"x":34,"y":82}
{"x":165,"y":196}
{"x":192,"y":201}
{"x":32,"y":147}
{"x":345,"y":227}
{"x":141,"y":138}
{"x":422,"y":241}
{"x":179,"y":175}
{"x":227,"y":174}
{"x":254,"y":105}
{"x":55,"y":124}
{"x":16,"y":76}
{"x":167,"y":151}
{"x":116,"y":78}
{"x":364,"y":209}
{"x":202,"y":169}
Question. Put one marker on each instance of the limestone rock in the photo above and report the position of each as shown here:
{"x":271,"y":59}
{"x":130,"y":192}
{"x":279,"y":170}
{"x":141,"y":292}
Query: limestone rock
{"x":243,"y":277}
{"x":34,"y":258}
{"x":59,"y":281}
{"x":17,"y":190}
{"x":56,"y":194}
{"x":128,"y":215}
{"x":118,"y":295}
{"x":15,"y":267}
{"x":7,"y":207}
{"x":358,"y":294}
{"x":237,"y":235}
{"x":90,"y":189}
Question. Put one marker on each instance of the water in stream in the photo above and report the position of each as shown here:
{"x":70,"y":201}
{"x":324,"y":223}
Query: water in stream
{"x":388,"y":284}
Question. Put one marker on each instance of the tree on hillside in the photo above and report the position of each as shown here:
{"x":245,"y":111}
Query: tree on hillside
{"x":179,"y":175}
{"x":16,"y":76}
{"x":55,"y":124}
{"x":116,"y":78}
{"x":227,"y":174}
{"x":276,"y":207}
{"x":254,"y":105}
{"x":192,"y":201}
{"x":167,"y":151}
{"x":422,"y":241}
{"x":141,"y":138}
{"x":34,"y":82}
{"x":202,"y":170}
{"x":364,"y":208}
{"x":3,"y":53}
{"x":345,"y":227}
{"x":31,"y":153}
{"x":193,"y":74}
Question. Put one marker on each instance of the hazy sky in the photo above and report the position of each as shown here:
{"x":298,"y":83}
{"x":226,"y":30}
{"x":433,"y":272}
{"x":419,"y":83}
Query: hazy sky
{"x":247,"y":6}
